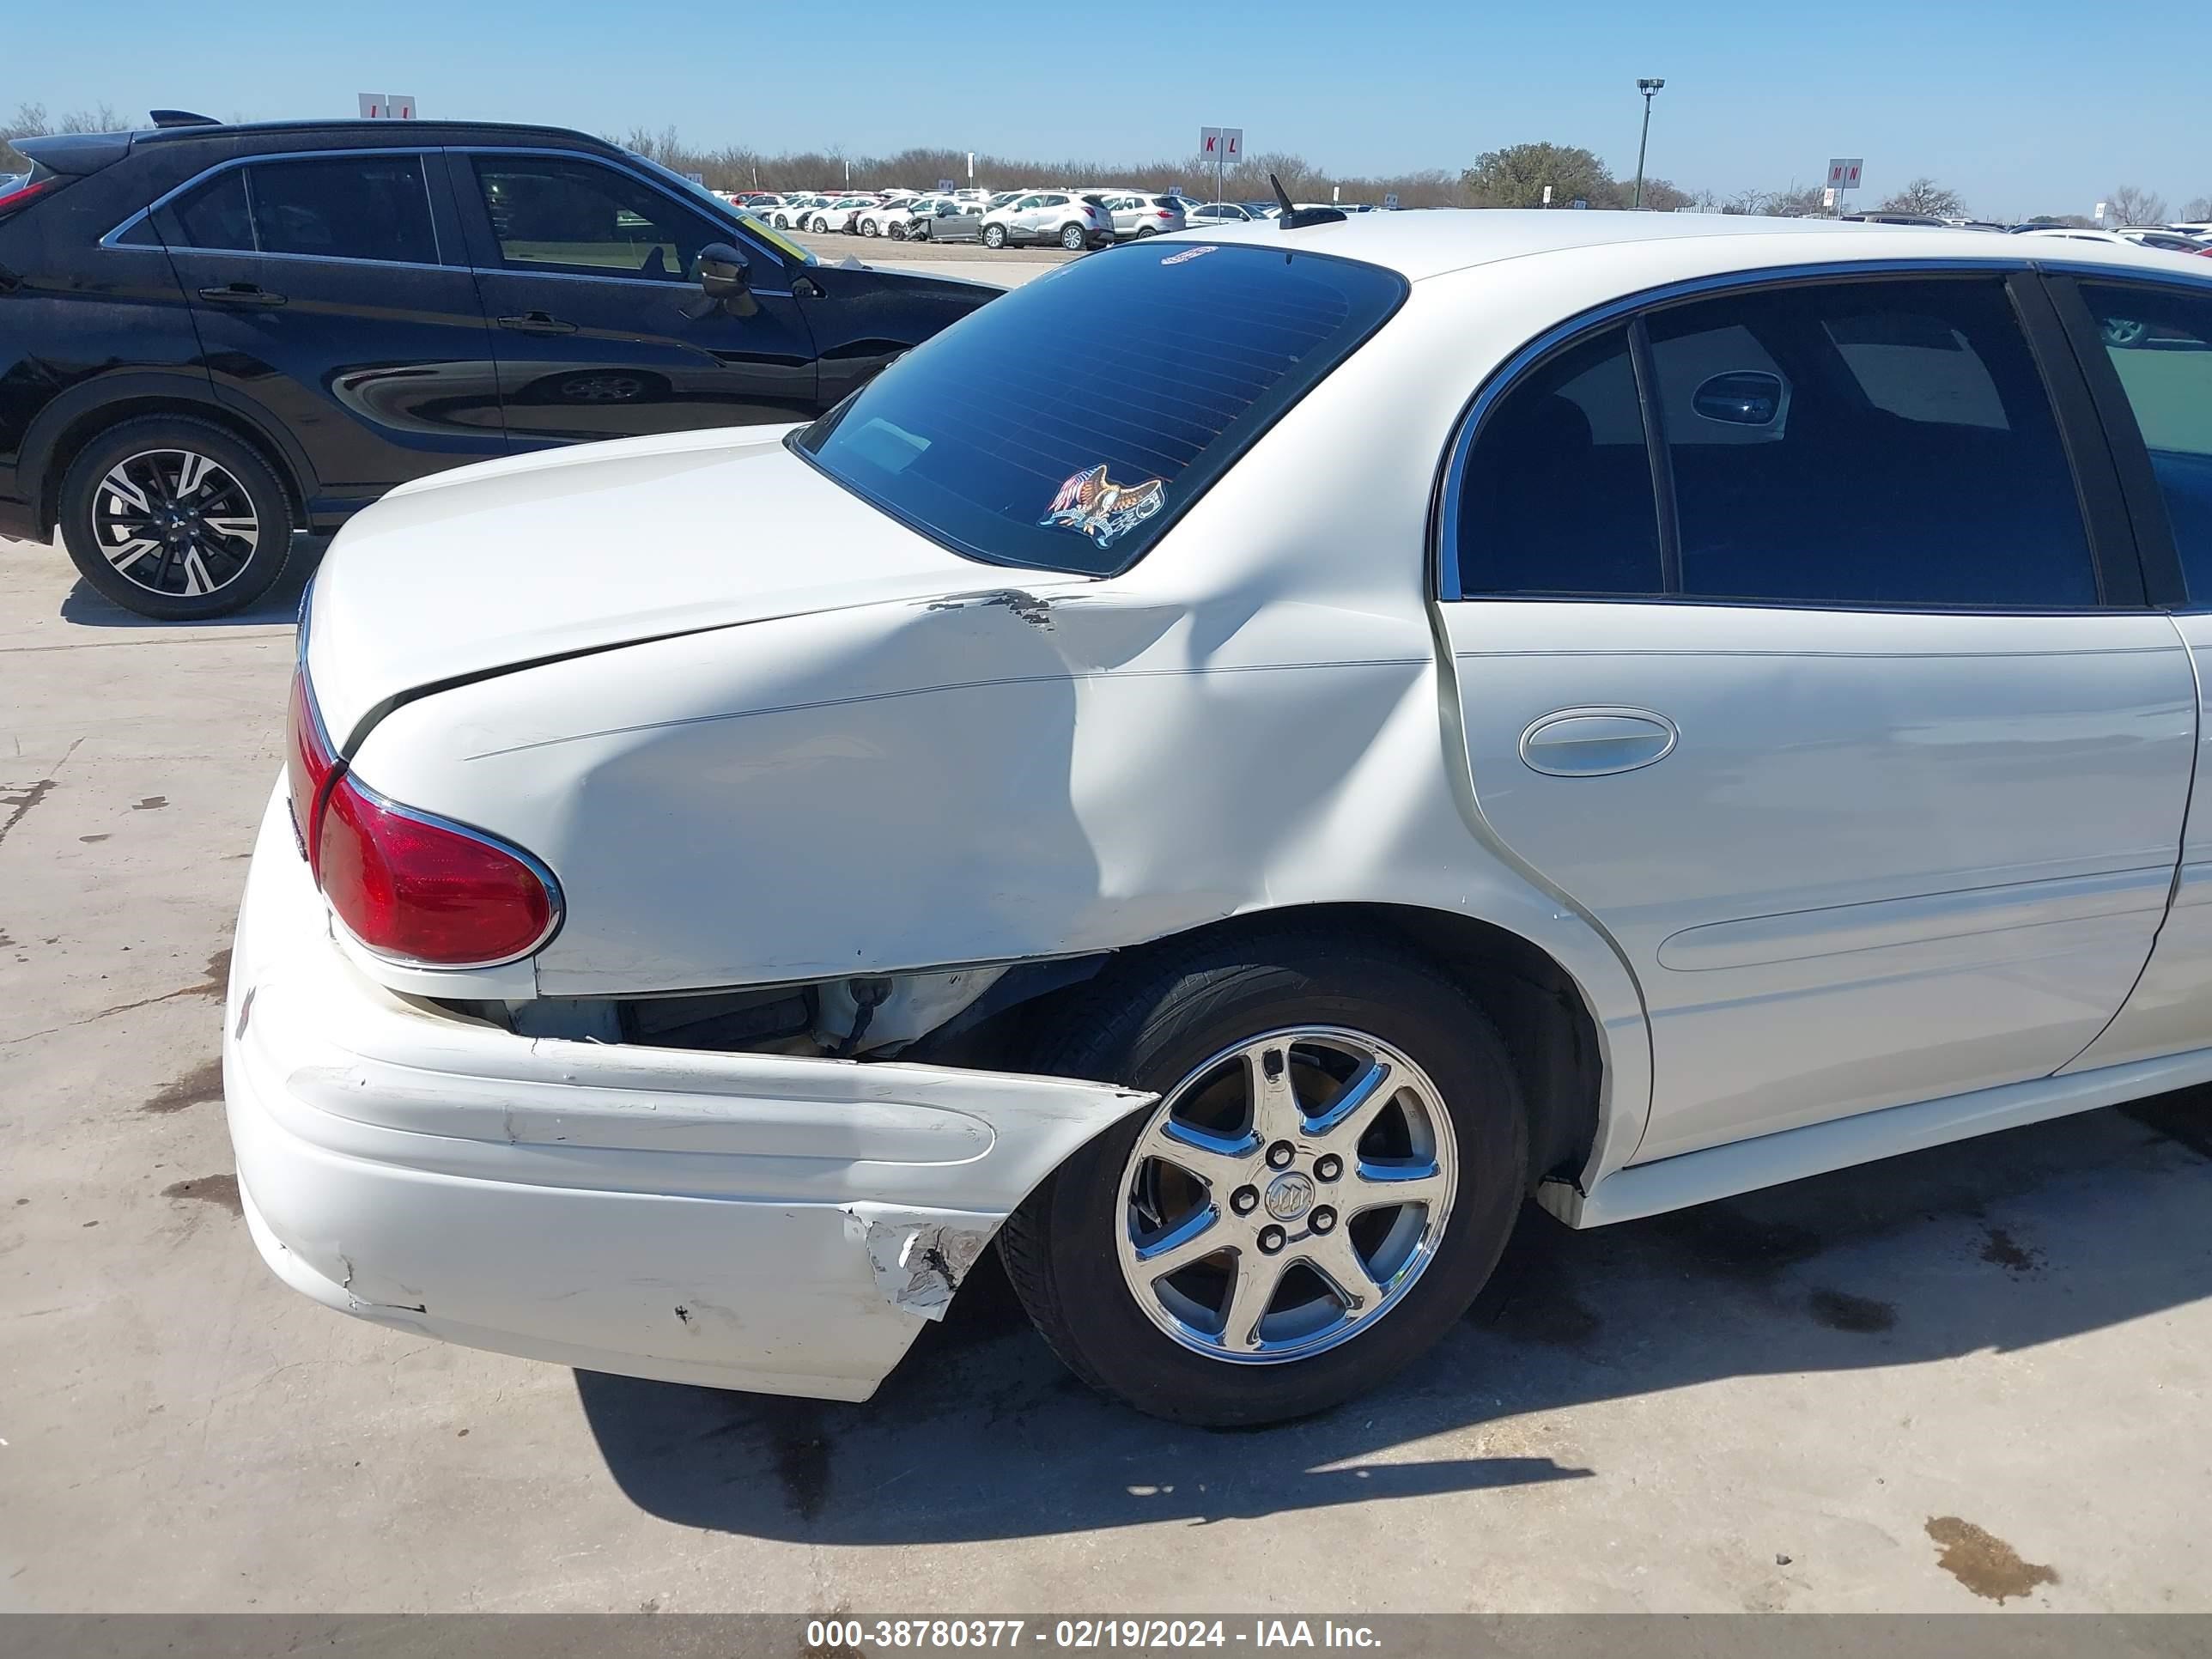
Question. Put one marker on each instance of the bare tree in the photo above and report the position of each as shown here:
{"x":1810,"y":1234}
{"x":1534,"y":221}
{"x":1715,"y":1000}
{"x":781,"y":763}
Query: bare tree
{"x":1926,"y":198}
{"x":102,"y":119}
{"x":2199,"y":209}
{"x":1796,"y":202}
{"x":2129,"y":204}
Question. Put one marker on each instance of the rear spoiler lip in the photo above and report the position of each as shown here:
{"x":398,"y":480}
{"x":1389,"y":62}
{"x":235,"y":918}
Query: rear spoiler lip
{"x":74,"y":154}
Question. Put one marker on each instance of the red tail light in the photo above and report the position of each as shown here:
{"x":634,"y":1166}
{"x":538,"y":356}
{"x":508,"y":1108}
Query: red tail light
{"x":407,"y":884}
{"x":311,"y":764}
{"x":13,"y":201}
{"x":424,"y":890}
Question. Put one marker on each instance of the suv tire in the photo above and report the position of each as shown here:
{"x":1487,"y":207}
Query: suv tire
{"x":994,"y":236}
{"x":212,"y":520}
{"x":1074,"y":236}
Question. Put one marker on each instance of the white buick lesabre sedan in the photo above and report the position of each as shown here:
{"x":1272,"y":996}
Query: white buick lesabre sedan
{"x":1225,"y":772}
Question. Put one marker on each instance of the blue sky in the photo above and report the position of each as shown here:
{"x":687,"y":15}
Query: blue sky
{"x":2028,"y":106}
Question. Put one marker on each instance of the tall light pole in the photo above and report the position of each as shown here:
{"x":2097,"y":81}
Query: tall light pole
{"x":1646,"y":87}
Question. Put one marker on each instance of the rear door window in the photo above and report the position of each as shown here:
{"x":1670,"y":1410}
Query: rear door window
{"x":344,"y":207}
{"x":1068,"y":424}
{"x":2159,"y":341}
{"x":1557,"y":496}
{"x":212,"y":215}
{"x":335,"y":206}
{"x":1875,"y":443}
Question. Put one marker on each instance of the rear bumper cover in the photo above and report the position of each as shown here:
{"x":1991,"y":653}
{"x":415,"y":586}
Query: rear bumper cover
{"x":740,"y":1221}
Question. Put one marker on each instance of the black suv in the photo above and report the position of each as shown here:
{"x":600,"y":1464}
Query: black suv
{"x":212,"y":336}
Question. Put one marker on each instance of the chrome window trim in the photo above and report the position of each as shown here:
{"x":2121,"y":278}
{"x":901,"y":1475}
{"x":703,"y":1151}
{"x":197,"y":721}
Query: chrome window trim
{"x":1444,"y":561}
{"x":420,"y":153}
{"x":692,"y":205}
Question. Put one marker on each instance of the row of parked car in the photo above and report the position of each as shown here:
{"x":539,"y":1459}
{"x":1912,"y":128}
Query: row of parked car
{"x":1073,"y":217}
{"x":2187,"y":236}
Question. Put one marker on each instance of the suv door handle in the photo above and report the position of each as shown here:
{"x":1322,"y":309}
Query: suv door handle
{"x":241,"y":294}
{"x":1594,"y":743}
{"x":537,"y":322}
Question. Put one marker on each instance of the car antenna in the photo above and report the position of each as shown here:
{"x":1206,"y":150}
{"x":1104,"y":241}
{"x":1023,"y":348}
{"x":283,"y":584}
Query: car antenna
{"x":1290,"y":218}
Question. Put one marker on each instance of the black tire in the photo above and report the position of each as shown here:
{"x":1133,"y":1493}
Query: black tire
{"x":994,"y":237}
{"x":90,"y":515}
{"x":1150,"y":1025}
{"x":1074,"y":237}
{"x":1143,"y":231}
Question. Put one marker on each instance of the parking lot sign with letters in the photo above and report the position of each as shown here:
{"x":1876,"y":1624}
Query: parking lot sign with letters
{"x":1220,"y":148}
{"x":1390,"y":201}
{"x":1843,"y":172}
{"x":386,"y":105}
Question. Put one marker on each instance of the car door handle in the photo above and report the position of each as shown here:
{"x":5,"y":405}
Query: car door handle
{"x":1594,"y":743}
{"x":537,"y":322}
{"x":241,"y":294}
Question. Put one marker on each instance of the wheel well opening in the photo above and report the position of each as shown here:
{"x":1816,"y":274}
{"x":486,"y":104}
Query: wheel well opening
{"x":88,"y":426}
{"x":1536,"y":1007}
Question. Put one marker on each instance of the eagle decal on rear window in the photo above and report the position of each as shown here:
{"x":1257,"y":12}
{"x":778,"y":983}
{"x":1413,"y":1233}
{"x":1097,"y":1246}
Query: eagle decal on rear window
{"x":1102,"y":509}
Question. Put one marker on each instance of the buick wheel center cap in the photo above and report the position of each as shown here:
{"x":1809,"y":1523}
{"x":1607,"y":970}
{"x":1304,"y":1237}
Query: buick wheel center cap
{"x":1289,"y":1195}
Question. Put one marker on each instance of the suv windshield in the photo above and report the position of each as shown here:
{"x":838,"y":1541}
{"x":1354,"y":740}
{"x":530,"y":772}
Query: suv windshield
{"x":1068,"y":425}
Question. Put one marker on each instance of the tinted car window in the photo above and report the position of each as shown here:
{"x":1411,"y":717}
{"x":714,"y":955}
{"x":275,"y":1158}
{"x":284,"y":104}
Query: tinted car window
{"x":549,"y":213}
{"x":2161,"y":345}
{"x":1557,"y":496}
{"x":214,"y":215}
{"x":1066,"y":424}
{"x":1893,"y":445}
{"x":367,"y":206}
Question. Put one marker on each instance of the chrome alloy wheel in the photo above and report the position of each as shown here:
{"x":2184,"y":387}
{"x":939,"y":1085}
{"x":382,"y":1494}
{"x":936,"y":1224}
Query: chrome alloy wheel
{"x":175,"y":522}
{"x":1286,"y":1194}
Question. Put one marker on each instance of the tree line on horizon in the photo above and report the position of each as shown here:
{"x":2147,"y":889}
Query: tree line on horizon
{"x":1512,"y":176}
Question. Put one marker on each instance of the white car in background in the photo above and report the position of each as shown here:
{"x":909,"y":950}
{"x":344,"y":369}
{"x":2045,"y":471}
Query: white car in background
{"x":838,"y":213}
{"x":1138,"y":214}
{"x":1292,"y":865}
{"x":2156,"y":241}
{"x":1067,"y":217}
{"x":879,"y":218}
{"x":791,"y":212}
{"x":1196,"y":215}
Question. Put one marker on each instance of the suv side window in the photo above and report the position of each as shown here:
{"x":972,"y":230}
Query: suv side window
{"x":338,"y":207}
{"x":1870,"y":443}
{"x":212,"y":215}
{"x":1557,"y":495}
{"x":2159,"y":341}
{"x":555,"y":213}
{"x":344,"y":207}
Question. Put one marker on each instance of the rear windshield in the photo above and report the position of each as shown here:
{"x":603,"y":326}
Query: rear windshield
{"x":1066,"y":426}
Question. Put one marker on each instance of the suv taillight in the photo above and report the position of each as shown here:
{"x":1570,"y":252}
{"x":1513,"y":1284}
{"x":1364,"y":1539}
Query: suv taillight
{"x":409,"y":885}
{"x":31,"y":188}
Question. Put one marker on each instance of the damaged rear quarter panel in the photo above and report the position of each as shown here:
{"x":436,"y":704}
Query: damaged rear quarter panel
{"x":1253,"y":716}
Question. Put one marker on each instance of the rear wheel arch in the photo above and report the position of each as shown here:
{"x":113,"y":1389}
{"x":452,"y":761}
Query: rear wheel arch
{"x":69,"y":429}
{"x":1538,"y":1008}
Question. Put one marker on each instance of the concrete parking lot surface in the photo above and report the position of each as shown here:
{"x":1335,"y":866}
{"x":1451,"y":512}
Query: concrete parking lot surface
{"x":1977,"y":1373}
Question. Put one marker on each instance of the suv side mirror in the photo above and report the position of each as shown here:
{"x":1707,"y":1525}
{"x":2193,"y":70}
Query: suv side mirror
{"x":724,"y":273}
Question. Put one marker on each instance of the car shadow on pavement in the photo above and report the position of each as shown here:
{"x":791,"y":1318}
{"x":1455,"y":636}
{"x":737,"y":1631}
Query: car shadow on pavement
{"x":280,"y":604}
{"x":2000,"y":1243}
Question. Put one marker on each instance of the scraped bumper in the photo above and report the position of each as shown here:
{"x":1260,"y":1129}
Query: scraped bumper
{"x":742,"y":1221}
